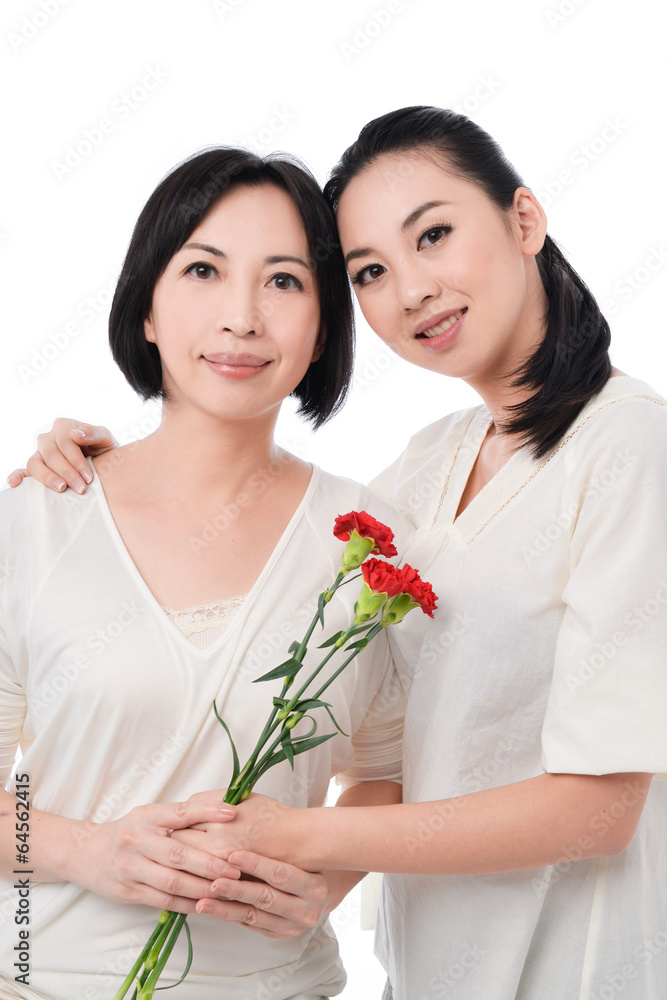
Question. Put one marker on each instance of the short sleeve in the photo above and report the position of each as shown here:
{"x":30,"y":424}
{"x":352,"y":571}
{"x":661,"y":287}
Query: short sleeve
{"x":12,"y":713}
{"x":607,"y":705}
{"x":378,"y":743}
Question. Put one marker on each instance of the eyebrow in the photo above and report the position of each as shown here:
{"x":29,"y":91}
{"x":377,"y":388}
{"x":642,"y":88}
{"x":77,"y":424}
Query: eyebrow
{"x":418,"y":212}
{"x":274,"y":259}
{"x":407,"y":222}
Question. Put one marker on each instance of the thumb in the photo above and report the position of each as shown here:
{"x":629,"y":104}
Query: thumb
{"x":95,"y":438}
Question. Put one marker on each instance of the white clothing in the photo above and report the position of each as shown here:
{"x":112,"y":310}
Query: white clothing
{"x":549,"y":652}
{"x":204,"y":624}
{"x":111,"y":706}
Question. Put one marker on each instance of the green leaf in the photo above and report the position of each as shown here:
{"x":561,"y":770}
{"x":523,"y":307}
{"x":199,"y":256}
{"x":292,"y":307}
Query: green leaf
{"x":329,"y":642}
{"x":330,"y":714}
{"x":188,"y":964}
{"x":359,"y":644}
{"x":286,"y":743}
{"x":321,"y":602}
{"x":279,"y":702}
{"x":313,"y":741}
{"x":295,"y":645}
{"x":306,"y":705}
{"x":300,"y":747}
{"x":287,"y":669}
{"x":235,"y":756}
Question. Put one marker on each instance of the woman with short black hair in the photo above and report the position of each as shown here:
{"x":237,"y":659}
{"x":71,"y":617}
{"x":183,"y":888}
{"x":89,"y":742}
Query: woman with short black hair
{"x":187,"y":571}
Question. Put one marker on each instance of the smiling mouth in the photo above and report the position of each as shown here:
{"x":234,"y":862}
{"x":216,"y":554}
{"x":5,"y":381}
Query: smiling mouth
{"x":442,"y":326}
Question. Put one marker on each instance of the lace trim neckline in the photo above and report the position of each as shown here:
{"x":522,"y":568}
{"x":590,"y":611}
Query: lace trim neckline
{"x":202,"y":617}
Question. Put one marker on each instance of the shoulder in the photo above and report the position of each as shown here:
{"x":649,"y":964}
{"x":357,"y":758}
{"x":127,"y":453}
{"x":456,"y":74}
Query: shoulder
{"x":335,"y":495}
{"x":627,"y":413}
{"x":32,"y":514}
{"x":430,"y":451}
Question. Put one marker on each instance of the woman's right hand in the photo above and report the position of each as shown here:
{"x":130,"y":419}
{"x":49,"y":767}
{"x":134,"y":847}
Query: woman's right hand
{"x":134,"y":860}
{"x":59,"y":461}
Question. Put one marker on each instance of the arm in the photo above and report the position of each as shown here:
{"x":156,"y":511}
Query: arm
{"x":528,"y":824}
{"x":132,"y":860}
{"x":281,"y":900}
{"x":59,"y":460}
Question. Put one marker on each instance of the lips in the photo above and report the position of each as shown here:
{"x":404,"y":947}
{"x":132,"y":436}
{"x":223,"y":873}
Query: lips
{"x":243,"y":360}
{"x":236,"y":366}
{"x":436,"y":325}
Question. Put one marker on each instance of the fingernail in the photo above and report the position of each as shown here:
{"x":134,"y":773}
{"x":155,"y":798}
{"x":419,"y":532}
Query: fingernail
{"x":58,"y":484}
{"x":226,"y":810}
{"x":86,"y":473}
{"x":77,"y":430}
{"x":13,"y":479}
{"x":78,"y":486}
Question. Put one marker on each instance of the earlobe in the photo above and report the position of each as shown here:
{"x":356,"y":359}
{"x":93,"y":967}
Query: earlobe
{"x":319,"y":345}
{"x":149,"y":330}
{"x":531,"y":219}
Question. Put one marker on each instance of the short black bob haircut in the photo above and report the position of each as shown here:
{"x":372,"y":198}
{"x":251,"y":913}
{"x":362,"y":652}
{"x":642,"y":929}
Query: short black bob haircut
{"x":174,"y":210}
{"x":571,"y":364}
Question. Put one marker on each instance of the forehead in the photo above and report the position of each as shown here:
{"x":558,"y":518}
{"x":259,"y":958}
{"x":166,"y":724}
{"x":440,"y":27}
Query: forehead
{"x":259,"y":210}
{"x":395,"y":184}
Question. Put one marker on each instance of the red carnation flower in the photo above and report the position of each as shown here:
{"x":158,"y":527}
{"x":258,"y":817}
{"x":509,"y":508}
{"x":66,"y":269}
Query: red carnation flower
{"x":419,"y":590}
{"x":367,"y":527}
{"x":382,"y":577}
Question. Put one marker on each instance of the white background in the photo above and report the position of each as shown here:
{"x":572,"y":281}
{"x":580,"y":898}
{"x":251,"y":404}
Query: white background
{"x":564,"y":85}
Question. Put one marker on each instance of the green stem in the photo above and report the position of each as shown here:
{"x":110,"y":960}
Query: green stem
{"x":370,"y":635}
{"x":251,"y":775}
{"x":148,"y":989}
{"x":233,"y":793}
{"x":134,"y":971}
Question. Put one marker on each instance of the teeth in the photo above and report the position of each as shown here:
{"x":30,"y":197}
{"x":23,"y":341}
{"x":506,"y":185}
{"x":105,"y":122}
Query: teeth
{"x":435,"y":331}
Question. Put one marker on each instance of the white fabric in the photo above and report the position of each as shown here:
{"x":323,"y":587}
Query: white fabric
{"x":204,"y":624}
{"x":112,"y":708}
{"x":549,"y":651}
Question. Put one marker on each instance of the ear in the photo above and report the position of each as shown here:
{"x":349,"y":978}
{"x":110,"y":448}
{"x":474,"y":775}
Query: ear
{"x":531,"y":221}
{"x":319,"y":344}
{"x":149,"y":329}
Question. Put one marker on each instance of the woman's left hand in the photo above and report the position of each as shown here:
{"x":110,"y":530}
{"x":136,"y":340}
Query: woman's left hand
{"x":287,"y":900}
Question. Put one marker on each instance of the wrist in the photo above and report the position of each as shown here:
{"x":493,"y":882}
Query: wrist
{"x":60,"y":847}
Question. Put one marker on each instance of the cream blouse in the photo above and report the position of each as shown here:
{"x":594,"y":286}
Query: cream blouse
{"x":549,"y":653}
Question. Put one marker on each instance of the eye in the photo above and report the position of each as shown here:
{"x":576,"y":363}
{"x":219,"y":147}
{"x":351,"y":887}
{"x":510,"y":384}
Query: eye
{"x":201,"y":270}
{"x":430,"y":237}
{"x":367,"y":275}
{"x":285,"y":282}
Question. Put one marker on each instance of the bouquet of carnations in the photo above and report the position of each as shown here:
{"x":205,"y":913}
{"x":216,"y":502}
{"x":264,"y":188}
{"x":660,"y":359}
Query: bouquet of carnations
{"x":388,"y":593}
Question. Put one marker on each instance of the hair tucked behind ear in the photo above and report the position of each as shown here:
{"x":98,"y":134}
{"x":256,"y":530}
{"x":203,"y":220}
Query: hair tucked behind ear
{"x":572,"y":362}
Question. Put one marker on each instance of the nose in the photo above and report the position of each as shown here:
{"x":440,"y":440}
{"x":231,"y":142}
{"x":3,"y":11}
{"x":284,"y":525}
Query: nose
{"x":415,"y":283}
{"x":238,"y":310}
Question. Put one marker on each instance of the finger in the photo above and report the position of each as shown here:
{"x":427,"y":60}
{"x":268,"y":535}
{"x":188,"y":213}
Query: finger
{"x":95,"y":437}
{"x":51,"y":467}
{"x":278,"y":874}
{"x":268,"y":924}
{"x":16,"y":477}
{"x":186,"y":867}
{"x":46,"y":476}
{"x":179,"y":815}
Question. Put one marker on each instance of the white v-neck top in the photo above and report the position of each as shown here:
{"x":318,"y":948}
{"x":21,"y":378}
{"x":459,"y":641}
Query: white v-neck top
{"x":549,"y":652}
{"x":111,"y":706}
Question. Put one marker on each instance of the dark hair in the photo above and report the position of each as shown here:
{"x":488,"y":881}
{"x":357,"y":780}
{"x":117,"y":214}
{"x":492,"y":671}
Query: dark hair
{"x":572,"y":362}
{"x":174,"y":210}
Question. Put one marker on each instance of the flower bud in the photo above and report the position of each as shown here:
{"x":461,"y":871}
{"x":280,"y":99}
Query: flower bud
{"x":368,"y":604}
{"x":356,"y":551}
{"x":396,"y":609}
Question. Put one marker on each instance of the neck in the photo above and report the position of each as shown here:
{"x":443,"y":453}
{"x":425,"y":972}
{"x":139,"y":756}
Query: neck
{"x":495,"y":386}
{"x":197,"y":453}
